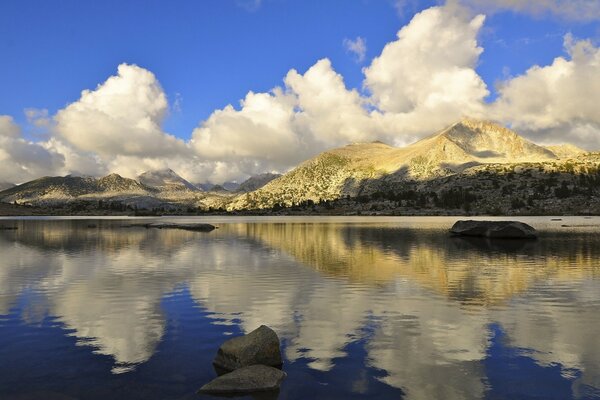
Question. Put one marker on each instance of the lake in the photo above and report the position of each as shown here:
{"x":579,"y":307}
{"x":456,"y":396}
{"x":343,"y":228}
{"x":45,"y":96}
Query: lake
{"x":366,"y":307}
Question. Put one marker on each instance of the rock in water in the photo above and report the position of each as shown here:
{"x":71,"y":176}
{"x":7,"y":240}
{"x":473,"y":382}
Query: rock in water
{"x":494,"y":229}
{"x":261,"y":346}
{"x":255,"y":378}
{"x":186,"y":227}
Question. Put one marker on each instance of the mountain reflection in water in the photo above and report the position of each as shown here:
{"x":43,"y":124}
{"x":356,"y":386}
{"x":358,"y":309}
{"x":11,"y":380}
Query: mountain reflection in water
{"x":367,"y":307}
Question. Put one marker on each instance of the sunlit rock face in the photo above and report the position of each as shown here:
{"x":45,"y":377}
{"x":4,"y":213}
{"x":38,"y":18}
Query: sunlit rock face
{"x":362,"y":168}
{"x":421,"y":301}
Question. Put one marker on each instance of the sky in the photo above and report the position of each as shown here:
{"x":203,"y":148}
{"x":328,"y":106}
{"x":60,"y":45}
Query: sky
{"x":220,"y":90}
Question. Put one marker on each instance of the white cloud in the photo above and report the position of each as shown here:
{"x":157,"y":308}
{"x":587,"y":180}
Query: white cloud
{"x":358,"y":47}
{"x":8,"y":128}
{"x":38,"y":117}
{"x":431,"y":66}
{"x":576,"y":10}
{"x":76,"y":162}
{"x":22,"y":160}
{"x":422,"y":81}
{"x":276,"y":130}
{"x":557,"y":102}
{"x":121,"y":116}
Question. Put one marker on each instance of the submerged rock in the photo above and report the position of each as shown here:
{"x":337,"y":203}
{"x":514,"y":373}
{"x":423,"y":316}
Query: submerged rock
{"x":199,"y":227}
{"x":494,"y":229}
{"x":254,"y":378}
{"x":261,"y":346}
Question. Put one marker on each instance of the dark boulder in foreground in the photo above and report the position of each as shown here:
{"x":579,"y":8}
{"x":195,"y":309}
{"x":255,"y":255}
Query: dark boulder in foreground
{"x":494,"y":229}
{"x":261,"y":346}
{"x":187,"y":227}
{"x":254,"y":378}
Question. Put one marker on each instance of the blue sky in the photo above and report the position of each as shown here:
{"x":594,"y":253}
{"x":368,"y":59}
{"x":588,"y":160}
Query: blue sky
{"x":92,"y":87}
{"x":210,"y":53}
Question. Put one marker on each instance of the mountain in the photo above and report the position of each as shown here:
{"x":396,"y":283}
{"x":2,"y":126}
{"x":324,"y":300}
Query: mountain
{"x":330,"y":175}
{"x":165,"y":180}
{"x":219,"y":189}
{"x":230,"y":186}
{"x":566,"y":150}
{"x":470,"y":163}
{"x":205,"y":186}
{"x":65,"y":188}
{"x":365,"y":168}
{"x":212,"y":187}
{"x":256,"y":182}
{"x":467,"y":143}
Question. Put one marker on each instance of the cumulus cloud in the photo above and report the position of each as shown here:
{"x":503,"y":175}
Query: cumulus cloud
{"x":117,"y":127}
{"x":8,"y":128}
{"x":576,"y":10}
{"x":358,"y":47}
{"x":427,"y":77}
{"x":422,"y":81}
{"x":23,"y":160}
{"x":557,"y":102}
{"x":121,"y":116}
{"x":276,"y":130}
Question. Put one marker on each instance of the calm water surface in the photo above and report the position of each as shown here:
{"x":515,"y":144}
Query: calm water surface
{"x":365,"y":307}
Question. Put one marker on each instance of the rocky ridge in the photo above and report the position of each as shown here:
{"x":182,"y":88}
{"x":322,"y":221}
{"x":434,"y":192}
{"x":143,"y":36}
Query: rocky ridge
{"x":476,"y":166}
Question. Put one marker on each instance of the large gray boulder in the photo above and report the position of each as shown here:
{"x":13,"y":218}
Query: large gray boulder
{"x":494,"y":229}
{"x":261,"y":346}
{"x":255,"y":378}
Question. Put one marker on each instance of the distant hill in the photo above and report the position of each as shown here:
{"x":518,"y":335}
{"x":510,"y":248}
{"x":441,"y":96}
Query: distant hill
{"x":65,"y":188}
{"x":165,"y":180}
{"x":256,"y":182}
{"x":253,"y":183}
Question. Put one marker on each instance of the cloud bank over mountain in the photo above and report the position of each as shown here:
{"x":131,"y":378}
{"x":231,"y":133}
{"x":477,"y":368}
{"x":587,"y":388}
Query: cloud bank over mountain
{"x":422,"y":81}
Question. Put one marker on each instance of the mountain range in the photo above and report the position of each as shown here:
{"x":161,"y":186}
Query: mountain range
{"x":469,"y":156}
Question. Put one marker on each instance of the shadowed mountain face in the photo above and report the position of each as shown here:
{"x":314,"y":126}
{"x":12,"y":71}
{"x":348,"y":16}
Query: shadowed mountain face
{"x":401,"y":289}
{"x":256,"y":182}
{"x":165,"y":180}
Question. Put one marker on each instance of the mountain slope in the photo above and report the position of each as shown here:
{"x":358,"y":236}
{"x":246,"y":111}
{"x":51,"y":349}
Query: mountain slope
{"x":364,"y":168}
{"x":329,"y":175}
{"x":256,"y":182}
{"x":165,"y":180}
{"x":66,"y":188}
{"x":467,"y":143}
{"x":6,"y":185}
{"x":566,"y":150}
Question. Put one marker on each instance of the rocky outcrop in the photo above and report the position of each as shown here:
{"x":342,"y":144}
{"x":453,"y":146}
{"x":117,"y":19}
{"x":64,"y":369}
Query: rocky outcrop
{"x":260,"y":346}
{"x":494,"y":229}
{"x":254,"y":378}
